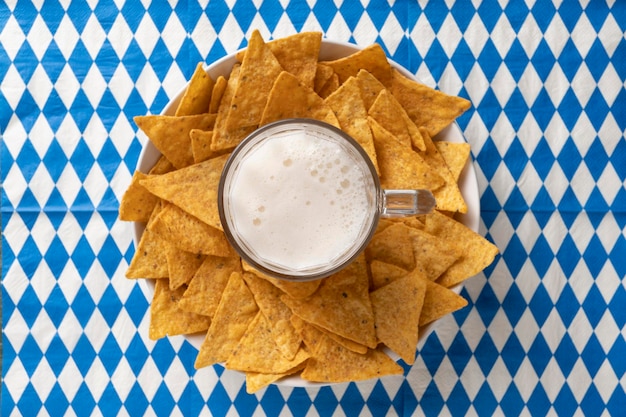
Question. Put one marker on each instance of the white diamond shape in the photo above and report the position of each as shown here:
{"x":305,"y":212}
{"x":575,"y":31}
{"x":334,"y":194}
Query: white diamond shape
{"x":556,"y":85}
{"x":556,"y":282}
{"x":503,"y":35}
{"x":14,"y":185}
{"x":528,"y":231}
{"x":503,"y":85}
{"x":43,"y":379}
{"x":449,"y":35}
{"x":610,"y":133}
{"x":68,"y":185}
{"x":529,"y":35}
{"x":530,"y":85}
{"x":70,"y":330}
{"x":476,"y":84}
{"x":95,"y":184}
{"x":607,"y":331}
{"x":148,"y":85}
{"x":12,"y":37}
{"x":472,"y":378}
{"x":16,"y":378}
{"x":120,"y":36}
{"x":97,"y":284}
{"x":500,"y":329}
{"x":311,"y":24}
{"x":338,"y":29}
{"x":579,"y":380}
{"x":39,"y":37}
{"x":555,"y":230}
{"x":69,"y":233}
{"x":96,"y":378}
{"x":96,"y":330}
{"x":176,"y":373}
{"x":173,"y":34}
{"x":583,"y":84}
{"x":392,"y":33}
{"x":552,"y":379}
{"x":41,"y":185}
{"x":608,"y":83}
{"x":443,"y":377}
{"x":121,"y":134}
{"x":553,"y":330}
{"x":526,"y":373}
{"x":148,"y":378}
{"x":66,"y":37}
{"x":422,"y":35}
{"x":610,"y":35}
{"x":582,"y":231}
{"x":96,"y":232}
{"x":583,"y":133}
{"x":69,"y":379}
{"x":450,"y":81}
{"x":204,"y":35}
{"x":606,"y":381}
{"x":501,"y":230}
{"x":67,"y":86}
{"x":94,"y":86}
{"x":41,"y":135}
{"x":365,"y":32}
{"x":42,"y":233}
{"x":40,"y":86}
{"x":12,"y":87}
{"x":121,"y":85}
{"x":556,"y":134}
{"x":174,"y":81}
{"x":120,"y":181}
{"x":499,"y":379}
{"x":476,"y":35}
{"x":583,"y":35}
{"x":610,"y":183}
{"x":93,"y":36}
{"x":147,"y":35}
{"x":556,"y":35}
{"x":43,"y":330}
{"x":96,"y":133}
{"x":231,"y":34}
{"x":526,"y":329}
{"x":582,"y":183}
{"x":608,"y":231}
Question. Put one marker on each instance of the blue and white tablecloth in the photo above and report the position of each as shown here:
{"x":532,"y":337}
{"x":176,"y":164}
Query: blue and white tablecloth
{"x":544,"y":333}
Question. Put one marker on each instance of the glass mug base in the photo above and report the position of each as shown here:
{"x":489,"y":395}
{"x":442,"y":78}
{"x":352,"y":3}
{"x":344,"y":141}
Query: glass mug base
{"x":300,"y":199}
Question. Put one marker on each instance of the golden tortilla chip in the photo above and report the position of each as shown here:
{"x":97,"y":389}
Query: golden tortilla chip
{"x":205,"y":289}
{"x":218,"y":91}
{"x":392,"y":246}
{"x":348,"y":105}
{"x":289,"y":98}
{"x":341,"y":304}
{"x":371,"y":58}
{"x":259,"y":70}
{"x":330,"y":87}
{"x":384,"y":273}
{"x":256,"y":380}
{"x":401,"y":168}
{"x":188,"y":233}
{"x":433,"y":256}
{"x":181,"y":187}
{"x":170,"y":134}
{"x":197,"y":95}
{"x":162,"y":166}
{"x":166,"y":319}
{"x":456,"y":156}
{"x":439,"y":301}
{"x":221,"y":135}
{"x":448,"y":197}
{"x":334,"y":363}
{"x":298,"y":55}
{"x":426,"y":106}
{"x":234,"y":313}
{"x":397,"y":308}
{"x":201,"y":145}
{"x":388,"y":113}
{"x":297,"y":290}
{"x":137,"y":203}
{"x":370,"y":87}
{"x":322,"y":75}
{"x":347,"y":343}
{"x":149,"y":260}
{"x":477,"y":253}
{"x":277,"y":313}
{"x":181,"y":266}
{"x":257,"y":351}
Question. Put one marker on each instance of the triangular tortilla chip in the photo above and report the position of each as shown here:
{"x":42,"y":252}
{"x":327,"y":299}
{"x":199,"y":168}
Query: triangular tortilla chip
{"x":166,"y":319}
{"x":235,"y":312}
{"x":221,"y":136}
{"x":348,"y":105}
{"x":201,"y":145}
{"x":218,"y":91}
{"x":259,"y":70}
{"x":433,"y":255}
{"x":207,"y":285}
{"x":197,"y":95}
{"x":162,"y":166}
{"x":388,"y":113}
{"x":439,"y":301}
{"x":384,"y":273}
{"x":371,"y":59}
{"x":401,"y":167}
{"x":455,"y":154}
{"x":448,"y":197}
{"x":256,"y":380}
{"x":278,"y":314}
{"x":298,"y":54}
{"x":334,"y":363}
{"x":297,"y":290}
{"x":190,"y":234}
{"x":426,"y":106}
{"x":289,"y":98}
{"x":181,"y":266}
{"x":341,"y":304}
{"x":397,"y":308}
{"x":330,"y":87}
{"x":137,"y":203}
{"x":370,"y":87}
{"x":193,"y":189}
{"x":170,"y":134}
{"x":257,"y":351}
{"x":322,"y":75}
{"x":392,"y":246}
{"x":476,"y":252}
{"x":149,"y":260}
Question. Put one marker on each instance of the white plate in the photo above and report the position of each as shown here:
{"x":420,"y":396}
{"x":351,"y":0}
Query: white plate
{"x":329,"y":50}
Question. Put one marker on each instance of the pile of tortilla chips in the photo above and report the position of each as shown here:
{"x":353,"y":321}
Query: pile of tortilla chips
{"x":331,"y":330}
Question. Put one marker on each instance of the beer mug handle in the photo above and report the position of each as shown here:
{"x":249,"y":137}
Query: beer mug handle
{"x":404,"y":203}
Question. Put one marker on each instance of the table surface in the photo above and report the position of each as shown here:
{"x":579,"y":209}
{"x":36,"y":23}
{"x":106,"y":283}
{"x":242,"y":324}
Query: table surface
{"x":544,"y":332}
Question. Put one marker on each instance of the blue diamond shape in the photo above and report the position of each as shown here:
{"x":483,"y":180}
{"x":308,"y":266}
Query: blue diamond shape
{"x":565,"y":403}
{"x":597,"y":109}
{"x":458,"y":402}
{"x":592,"y":403}
{"x":543,"y":12}
{"x":568,"y":255}
{"x":56,"y":403}
{"x":486,"y":354}
{"x":272,"y":401}
{"x":436,"y":13}
{"x":299,"y":402}
{"x":616,"y":306}
{"x":136,"y":403}
{"x":514,"y":304}
{"x":29,"y":306}
{"x":516,"y":13}
{"x":570,"y":109}
{"x":432,"y":353}
{"x":541,"y":305}
{"x":29,"y":403}
{"x":57,"y":355}
{"x":463,"y":12}
{"x":163,"y":400}
{"x":30,"y":354}
{"x":244,"y":10}
{"x":593,"y":355}
{"x":191,"y":401}
{"x":541,"y":255}
{"x":616,"y":403}
{"x":489,"y":59}
{"x":618,"y":109}
{"x":515,"y":255}
{"x":485,"y":402}
{"x":110,"y":403}
{"x":616,"y":356}
{"x":436,"y":59}
{"x":516,"y":207}
{"x":543,"y":60}
{"x":219,"y":402}
{"x":594,"y":305}
{"x":567,"y":305}
{"x":490,"y":13}
{"x":597,"y":14}
{"x":512,"y":403}
{"x":163,"y":354}
{"x":136,"y":354}
{"x":83,"y":256}
{"x":595,"y":257}
{"x":570,"y":59}
{"x":432,"y":401}
{"x":489,"y":159}
{"x":83,"y":354}
{"x":538,"y":403}
{"x":512,"y":354}
{"x":459,"y":353}
{"x":56,"y":306}
{"x":566,"y":354}
{"x":539,"y":354}
{"x":298,"y":12}
{"x":244,"y":403}
{"x":110,"y":305}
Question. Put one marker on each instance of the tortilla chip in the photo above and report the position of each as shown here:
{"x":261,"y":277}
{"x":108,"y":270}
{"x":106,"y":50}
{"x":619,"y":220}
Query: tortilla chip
{"x":388,"y":113}
{"x":348,"y":105}
{"x":197,"y":95}
{"x":259,"y":70}
{"x":384,"y":273}
{"x":188,"y":233}
{"x":341,"y":304}
{"x":181,"y":187}
{"x":456,"y":156}
{"x":297,"y":290}
{"x":256,"y":380}
{"x":277,"y":313}
{"x":370,"y":87}
{"x":166,"y":319}
{"x":137,"y":203}
{"x":477,"y":253}
{"x":205,"y":289}
{"x":371,"y":58}
{"x":322,"y":75}
{"x":257,"y":351}
{"x":439,"y":301}
{"x":397,"y":308}
{"x":170,"y":134}
{"x":201,"y":145}
{"x":347,"y":343}
{"x":298,"y":54}
{"x":433,"y":256}
{"x":400,"y":167}
{"x":221,"y":135}
{"x":426,"y":106}
{"x":234,"y":313}
{"x":289,"y":98}
{"x":181,"y":266}
{"x":392,"y":246}
{"x":162,"y":166}
{"x":334,"y":363}
{"x":448,"y":197}
{"x":330,"y":87}
{"x":218,"y":91}
{"x":149,"y":260}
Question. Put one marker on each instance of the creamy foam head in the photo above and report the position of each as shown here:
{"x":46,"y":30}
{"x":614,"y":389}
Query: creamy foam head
{"x":300,"y":200}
